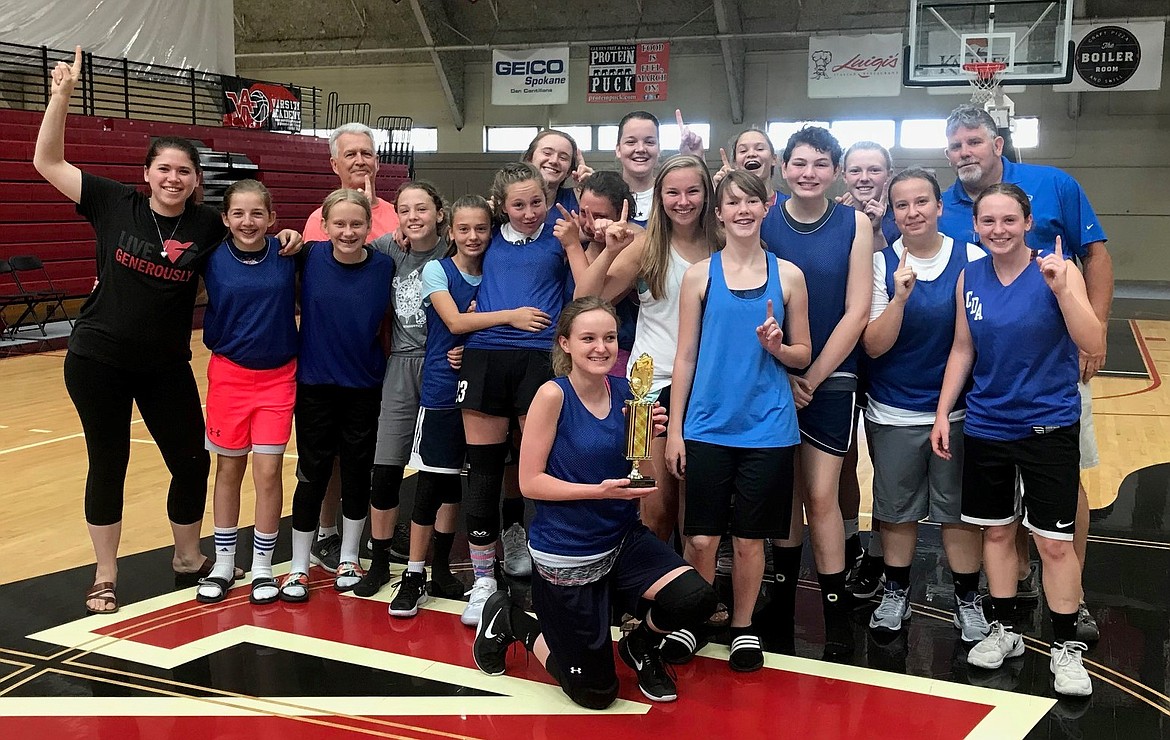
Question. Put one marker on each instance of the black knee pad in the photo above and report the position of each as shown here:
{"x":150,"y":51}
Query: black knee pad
{"x":426,"y":498}
{"x":482,"y":530}
{"x":487,"y":459}
{"x":590,"y":697}
{"x":484,"y":478}
{"x":685,"y":602}
{"x":384,"y":486}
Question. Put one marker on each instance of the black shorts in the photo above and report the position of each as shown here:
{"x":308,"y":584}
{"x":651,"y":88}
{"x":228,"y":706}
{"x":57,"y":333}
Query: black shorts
{"x":501,"y":382}
{"x":439,"y":445}
{"x":575,"y":620}
{"x":828,"y":421}
{"x":760,"y":479}
{"x":1048,"y":464}
{"x":664,"y":402}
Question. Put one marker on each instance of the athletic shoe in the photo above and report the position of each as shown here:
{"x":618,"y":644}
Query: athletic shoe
{"x":494,"y":634}
{"x":895,"y":608}
{"x":411,"y":595}
{"x":444,"y":585}
{"x":517,"y":561}
{"x":348,"y":576}
{"x":747,"y":654}
{"x":867,"y":579}
{"x":400,"y":543}
{"x":326,"y":552}
{"x":970,"y":619}
{"x":680,"y":646}
{"x":480,"y":592}
{"x":999,"y":644}
{"x":1087,"y":629}
{"x":1029,"y":586}
{"x":1070,"y":676}
{"x":373,"y":581}
{"x":653,"y":679}
{"x":839,"y":642}
{"x":851,"y":568}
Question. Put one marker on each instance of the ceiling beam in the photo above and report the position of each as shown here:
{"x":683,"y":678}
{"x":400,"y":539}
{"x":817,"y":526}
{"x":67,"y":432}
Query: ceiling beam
{"x":728,"y":21}
{"x":448,"y":67}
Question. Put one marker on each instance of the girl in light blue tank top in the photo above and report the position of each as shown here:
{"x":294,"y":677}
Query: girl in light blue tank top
{"x":743,"y":319}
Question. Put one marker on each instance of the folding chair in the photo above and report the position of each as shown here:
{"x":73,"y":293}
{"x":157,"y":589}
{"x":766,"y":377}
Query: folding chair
{"x":12,"y":295}
{"x":52,"y":298}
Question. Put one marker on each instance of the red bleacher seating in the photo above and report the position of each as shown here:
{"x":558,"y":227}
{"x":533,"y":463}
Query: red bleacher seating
{"x":295,"y":168}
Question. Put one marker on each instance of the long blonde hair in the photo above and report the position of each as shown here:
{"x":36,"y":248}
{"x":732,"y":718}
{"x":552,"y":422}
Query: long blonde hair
{"x":660,"y":229}
{"x":561,"y":362}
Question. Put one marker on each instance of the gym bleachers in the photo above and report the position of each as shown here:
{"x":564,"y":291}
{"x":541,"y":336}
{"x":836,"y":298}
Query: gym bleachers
{"x":40,"y":221}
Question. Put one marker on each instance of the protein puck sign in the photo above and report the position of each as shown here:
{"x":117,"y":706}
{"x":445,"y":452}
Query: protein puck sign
{"x":1108,"y":56}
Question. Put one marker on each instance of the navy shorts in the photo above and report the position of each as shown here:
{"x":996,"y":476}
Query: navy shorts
{"x":576,"y":620}
{"x":439,"y":445}
{"x":828,"y":421}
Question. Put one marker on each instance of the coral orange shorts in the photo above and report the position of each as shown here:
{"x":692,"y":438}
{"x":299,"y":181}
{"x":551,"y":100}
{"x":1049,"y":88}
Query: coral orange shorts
{"x":249,"y":410}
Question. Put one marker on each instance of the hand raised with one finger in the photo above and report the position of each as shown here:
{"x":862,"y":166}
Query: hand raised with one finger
{"x":904,"y":278}
{"x":65,"y":76}
{"x":567,"y":229}
{"x":770,"y":334}
{"x":619,"y":235}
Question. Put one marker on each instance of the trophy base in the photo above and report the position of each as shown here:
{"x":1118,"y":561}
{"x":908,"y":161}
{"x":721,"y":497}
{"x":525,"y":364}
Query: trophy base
{"x":642,"y":483}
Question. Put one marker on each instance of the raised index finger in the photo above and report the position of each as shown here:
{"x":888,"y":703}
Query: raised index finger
{"x":1059,"y":251}
{"x":625,"y":210}
{"x":678,"y":119}
{"x":564,"y":213}
{"x":905,"y":254}
{"x":723,"y":156}
{"x":75,"y":69}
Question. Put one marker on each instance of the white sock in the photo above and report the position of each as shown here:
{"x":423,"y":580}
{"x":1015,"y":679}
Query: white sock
{"x":875,"y":544}
{"x":302,"y":542}
{"x":351,"y":538}
{"x":851,"y":527}
{"x":225,"y":553}
{"x":416,"y":566}
{"x":323,"y":532}
{"x":262,"y":546}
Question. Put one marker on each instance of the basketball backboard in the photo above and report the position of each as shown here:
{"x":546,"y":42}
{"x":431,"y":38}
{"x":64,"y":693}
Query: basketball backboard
{"x":1032,"y":37}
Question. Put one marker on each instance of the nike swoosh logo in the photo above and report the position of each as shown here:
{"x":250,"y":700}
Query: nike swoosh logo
{"x":487,"y":632}
{"x":1062,"y":525}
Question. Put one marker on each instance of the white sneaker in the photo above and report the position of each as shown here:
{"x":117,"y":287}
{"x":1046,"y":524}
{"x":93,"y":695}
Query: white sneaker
{"x":970,"y":620}
{"x":1071,"y":678}
{"x":996,"y":647}
{"x":517,"y":561}
{"x":892,"y":611}
{"x":480,"y":591}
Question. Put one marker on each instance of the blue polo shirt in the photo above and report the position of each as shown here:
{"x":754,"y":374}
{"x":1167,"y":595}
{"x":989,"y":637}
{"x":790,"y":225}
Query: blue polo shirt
{"x":1059,"y":208}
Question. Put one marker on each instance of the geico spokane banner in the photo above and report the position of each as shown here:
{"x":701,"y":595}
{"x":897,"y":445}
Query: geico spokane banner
{"x":530,"y":77}
{"x":855,"y":66}
{"x":1117,"y":56}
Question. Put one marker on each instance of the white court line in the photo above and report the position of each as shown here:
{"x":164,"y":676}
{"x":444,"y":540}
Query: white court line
{"x":21,"y":448}
{"x":41,"y":431}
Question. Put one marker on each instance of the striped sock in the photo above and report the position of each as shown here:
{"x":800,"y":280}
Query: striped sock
{"x":225,"y":553}
{"x":262,"y":546}
{"x":483,"y":561}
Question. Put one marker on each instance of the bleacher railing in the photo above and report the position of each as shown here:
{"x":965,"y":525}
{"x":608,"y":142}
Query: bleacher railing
{"x":120,"y":88}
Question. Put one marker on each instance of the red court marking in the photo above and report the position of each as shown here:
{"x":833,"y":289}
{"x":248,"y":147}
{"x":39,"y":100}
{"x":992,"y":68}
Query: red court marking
{"x":1155,"y":378}
{"x":712,"y":699}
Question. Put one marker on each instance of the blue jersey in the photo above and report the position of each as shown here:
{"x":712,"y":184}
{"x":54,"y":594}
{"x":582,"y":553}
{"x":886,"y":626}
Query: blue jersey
{"x":439,"y":380}
{"x":566,"y":197}
{"x":909,"y":374}
{"x":1059,"y":208}
{"x":1026,"y":364}
{"x":342,"y":308}
{"x":586,"y":450}
{"x":889,"y":228}
{"x":251,"y":306}
{"x":740,"y":396}
{"x":822,"y":251}
{"x":516,"y":275}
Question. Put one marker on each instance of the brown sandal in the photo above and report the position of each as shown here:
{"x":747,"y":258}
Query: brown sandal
{"x":187,"y":580}
{"x":103,"y":592}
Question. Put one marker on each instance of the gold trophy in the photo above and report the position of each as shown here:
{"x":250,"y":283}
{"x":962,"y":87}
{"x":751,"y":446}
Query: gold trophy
{"x":639,"y":420}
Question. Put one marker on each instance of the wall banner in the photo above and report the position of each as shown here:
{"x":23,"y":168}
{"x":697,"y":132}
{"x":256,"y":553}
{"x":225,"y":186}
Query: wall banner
{"x":855,"y":66}
{"x":1117,"y":56}
{"x":530,"y":76}
{"x":261,"y":105}
{"x":628,"y":73}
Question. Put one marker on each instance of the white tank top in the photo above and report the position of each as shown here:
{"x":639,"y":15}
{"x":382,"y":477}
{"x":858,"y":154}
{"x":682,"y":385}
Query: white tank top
{"x":657,"y":333}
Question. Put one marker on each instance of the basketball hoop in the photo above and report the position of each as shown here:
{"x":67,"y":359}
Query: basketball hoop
{"x":984,"y":78}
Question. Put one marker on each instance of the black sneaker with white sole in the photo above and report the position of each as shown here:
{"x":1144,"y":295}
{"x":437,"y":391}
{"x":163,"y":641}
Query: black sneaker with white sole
{"x":411,"y":595}
{"x":494,"y":634}
{"x":326,"y":552}
{"x":654,"y":681}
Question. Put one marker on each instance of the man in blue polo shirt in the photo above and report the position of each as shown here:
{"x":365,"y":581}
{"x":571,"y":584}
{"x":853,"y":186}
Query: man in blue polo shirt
{"x":1059,"y":208}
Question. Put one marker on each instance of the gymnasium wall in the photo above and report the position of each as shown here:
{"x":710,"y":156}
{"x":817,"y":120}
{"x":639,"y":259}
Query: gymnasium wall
{"x":1116,"y":144}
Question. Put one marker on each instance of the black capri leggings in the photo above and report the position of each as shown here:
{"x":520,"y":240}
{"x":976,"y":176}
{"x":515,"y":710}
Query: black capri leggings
{"x":168,"y":400}
{"x":334,"y":422}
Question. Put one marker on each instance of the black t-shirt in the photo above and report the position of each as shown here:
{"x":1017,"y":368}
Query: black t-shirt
{"x":139,"y":313}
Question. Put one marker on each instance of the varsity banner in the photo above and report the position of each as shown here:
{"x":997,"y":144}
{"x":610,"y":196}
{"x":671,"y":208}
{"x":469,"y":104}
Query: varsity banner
{"x":855,"y":66}
{"x":256,"y":104}
{"x":530,"y":76}
{"x":628,"y":73}
{"x":1117,"y":56}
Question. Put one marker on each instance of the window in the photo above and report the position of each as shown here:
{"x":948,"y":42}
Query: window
{"x":581,"y":134}
{"x":779,"y":131}
{"x":607,"y":138}
{"x":424,"y":139}
{"x":1026,"y":133}
{"x":669,"y":136}
{"x":849,"y":133}
{"x":923,"y":133}
{"x":508,"y":138}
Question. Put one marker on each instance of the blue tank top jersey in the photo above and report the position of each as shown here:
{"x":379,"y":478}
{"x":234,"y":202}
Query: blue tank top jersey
{"x":342,"y":308}
{"x":740,"y":396}
{"x":439,"y":380}
{"x":909,"y":375}
{"x":516,"y":275}
{"x":823,"y":256}
{"x":586,"y":450}
{"x":251,"y":306}
{"x":1026,"y":367}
